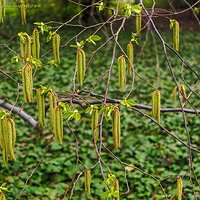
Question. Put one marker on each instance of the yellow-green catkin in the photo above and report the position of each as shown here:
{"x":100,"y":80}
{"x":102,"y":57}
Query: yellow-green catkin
{"x":130,"y":54}
{"x":182,"y":91}
{"x":22,"y":50}
{"x":41,"y":108}
{"x":174,"y":93}
{"x":1,"y":132}
{"x":95,"y":123}
{"x":156,"y":105}
{"x":27,"y":82}
{"x":175,"y":35}
{"x":56,"y":48}
{"x":23,"y":11}
{"x":52,"y":106}
{"x":84,"y":61}
{"x":117,"y":189}
{"x":80,"y":65}
{"x":36,"y":44}
{"x":10,"y":128}
{"x":2,"y":10}
{"x":8,"y":138}
{"x":58,"y":124}
{"x":87,"y":176}
{"x":116,"y":129}
{"x":179,"y":188}
{"x":122,"y":72}
{"x":138,"y":23}
{"x":27,"y":46}
{"x":2,"y":196}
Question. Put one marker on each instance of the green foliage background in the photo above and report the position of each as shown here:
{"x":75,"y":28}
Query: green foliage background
{"x":144,"y":145}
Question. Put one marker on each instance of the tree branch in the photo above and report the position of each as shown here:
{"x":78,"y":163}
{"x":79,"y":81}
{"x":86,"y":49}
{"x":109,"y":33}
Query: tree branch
{"x":26,"y":117}
{"x":84,"y":103}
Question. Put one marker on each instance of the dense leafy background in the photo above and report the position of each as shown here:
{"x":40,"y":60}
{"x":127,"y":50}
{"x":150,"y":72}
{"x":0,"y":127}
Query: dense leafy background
{"x":143,"y":143}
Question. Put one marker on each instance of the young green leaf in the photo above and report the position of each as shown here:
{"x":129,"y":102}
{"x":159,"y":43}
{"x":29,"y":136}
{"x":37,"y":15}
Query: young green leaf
{"x":100,"y":6}
{"x":196,"y":10}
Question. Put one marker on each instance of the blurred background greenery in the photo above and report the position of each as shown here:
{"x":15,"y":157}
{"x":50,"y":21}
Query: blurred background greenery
{"x":144,"y":145}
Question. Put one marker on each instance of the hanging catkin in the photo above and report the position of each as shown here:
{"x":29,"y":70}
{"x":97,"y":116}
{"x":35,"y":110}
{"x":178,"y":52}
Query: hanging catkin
{"x":41,"y":108}
{"x":138,"y":23}
{"x":36,"y":44}
{"x":156,"y":105}
{"x":1,"y":132}
{"x":182,"y":91}
{"x":58,"y":124}
{"x":84,"y":62}
{"x":22,"y":49}
{"x":2,"y":196}
{"x":117,"y":189}
{"x":121,"y":72}
{"x":52,"y":106}
{"x":11,"y":137}
{"x":80,"y":65}
{"x":2,"y":10}
{"x":25,"y":46}
{"x":179,"y":188}
{"x":27,"y":82}
{"x":95,"y":123}
{"x":23,"y":11}
{"x":56,"y":48}
{"x":174,"y":93}
{"x":175,"y":35}
{"x":116,"y":130}
{"x":130,"y":54}
{"x":87,"y":180}
{"x":8,"y":138}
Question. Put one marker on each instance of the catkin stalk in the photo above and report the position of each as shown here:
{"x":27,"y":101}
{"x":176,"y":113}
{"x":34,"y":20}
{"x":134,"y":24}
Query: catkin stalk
{"x":41,"y":108}
{"x":179,"y":188}
{"x":130,"y":54}
{"x":36,"y":44}
{"x":27,"y":82}
{"x":116,"y":129}
{"x":87,"y":180}
{"x":95,"y":124}
{"x":175,"y":35}
{"x":138,"y":23}
{"x":156,"y":105}
{"x":121,"y":72}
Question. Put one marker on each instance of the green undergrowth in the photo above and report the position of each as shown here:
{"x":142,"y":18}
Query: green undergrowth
{"x":144,"y":144}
